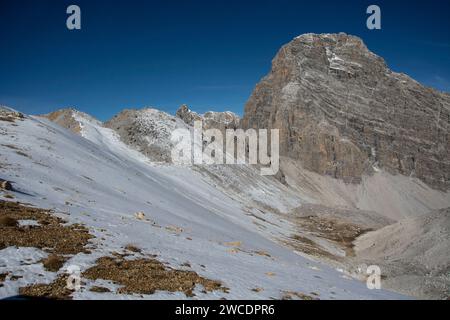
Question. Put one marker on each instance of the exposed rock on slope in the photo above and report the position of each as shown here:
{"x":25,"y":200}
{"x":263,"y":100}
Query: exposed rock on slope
{"x":211,"y":120}
{"x":342,"y":112}
{"x":70,"y":118}
{"x":188,"y":116}
{"x":7,"y":114}
{"x":149,"y":130}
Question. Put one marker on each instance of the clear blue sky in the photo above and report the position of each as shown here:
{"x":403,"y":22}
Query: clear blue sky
{"x":207,"y":54}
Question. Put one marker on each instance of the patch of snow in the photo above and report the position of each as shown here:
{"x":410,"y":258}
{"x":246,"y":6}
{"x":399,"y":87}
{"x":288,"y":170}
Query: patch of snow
{"x":28,"y":223}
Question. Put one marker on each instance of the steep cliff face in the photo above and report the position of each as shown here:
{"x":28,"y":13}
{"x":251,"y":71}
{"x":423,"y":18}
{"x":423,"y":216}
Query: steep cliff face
{"x":342,"y":112}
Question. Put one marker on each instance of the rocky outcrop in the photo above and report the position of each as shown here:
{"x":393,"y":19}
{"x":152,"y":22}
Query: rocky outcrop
{"x":211,"y":120}
{"x":70,"y":119}
{"x":342,"y":112}
{"x":221,"y":120}
{"x":148,"y":130}
{"x":9,"y":115}
{"x":188,"y":116}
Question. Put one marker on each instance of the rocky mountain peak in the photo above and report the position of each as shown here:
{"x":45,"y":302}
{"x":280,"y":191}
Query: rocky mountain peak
{"x":342,"y":112}
{"x":188,"y":116}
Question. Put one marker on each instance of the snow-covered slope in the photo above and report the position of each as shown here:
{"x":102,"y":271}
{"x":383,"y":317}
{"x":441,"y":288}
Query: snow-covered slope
{"x":100,"y":182}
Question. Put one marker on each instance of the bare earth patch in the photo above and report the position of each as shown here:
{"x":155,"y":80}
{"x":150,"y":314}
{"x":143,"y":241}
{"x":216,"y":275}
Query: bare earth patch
{"x":147,"y":275}
{"x":339,"y":233}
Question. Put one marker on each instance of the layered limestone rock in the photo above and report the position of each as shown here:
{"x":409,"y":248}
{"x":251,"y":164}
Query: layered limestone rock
{"x":342,"y":112}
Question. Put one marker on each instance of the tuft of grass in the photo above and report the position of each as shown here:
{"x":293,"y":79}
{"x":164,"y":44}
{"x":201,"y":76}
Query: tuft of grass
{"x":7,"y":221}
{"x":53,"y":262}
{"x":99,"y":289}
{"x":55,"y":290}
{"x":290,"y":295}
{"x":3,"y":277}
{"x":132,"y":248}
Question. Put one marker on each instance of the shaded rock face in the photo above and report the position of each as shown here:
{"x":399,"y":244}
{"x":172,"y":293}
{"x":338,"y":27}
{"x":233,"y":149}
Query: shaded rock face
{"x":342,"y":112}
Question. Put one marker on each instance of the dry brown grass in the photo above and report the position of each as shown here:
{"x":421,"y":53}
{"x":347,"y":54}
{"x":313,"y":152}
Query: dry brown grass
{"x":55,"y":290}
{"x":174,"y":229}
{"x":2,"y":278}
{"x":233,"y":244}
{"x":340,"y":233}
{"x":5,"y":185}
{"x":289,"y":295}
{"x":6,"y":221}
{"x":305,"y":245}
{"x":133,"y":248}
{"x":51,"y":235}
{"x":145,"y":276}
{"x":53,"y":262}
{"x":99,"y":289}
{"x":262,"y":253}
